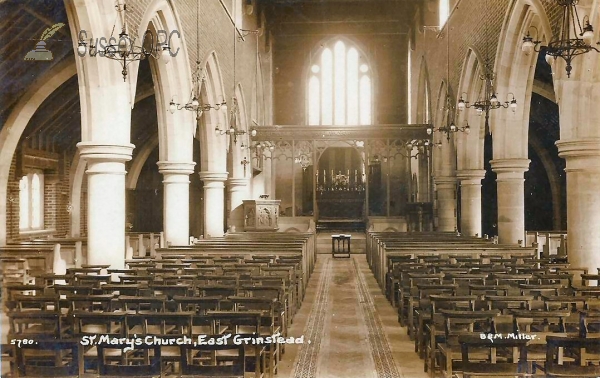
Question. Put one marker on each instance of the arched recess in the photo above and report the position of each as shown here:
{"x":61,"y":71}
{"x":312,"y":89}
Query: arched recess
{"x":469,"y":146}
{"x":138,"y":162}
{"x":17,"y":121}
{"x":514,"y":74}
{"x":423,"y":95}
{"x":213,"y":147}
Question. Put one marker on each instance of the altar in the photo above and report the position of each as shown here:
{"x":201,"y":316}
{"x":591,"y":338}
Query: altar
{"x":343,"y":203}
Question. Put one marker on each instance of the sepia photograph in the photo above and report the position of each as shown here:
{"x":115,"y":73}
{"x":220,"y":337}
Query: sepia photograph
{"x":300,"y":188}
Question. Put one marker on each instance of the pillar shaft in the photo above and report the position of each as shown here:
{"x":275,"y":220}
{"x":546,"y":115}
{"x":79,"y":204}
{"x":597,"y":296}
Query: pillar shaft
{"x":446,"y":203}
{"x":106,"y":201}
{"x":470,"y":201}
{"x":176,"y":194}
{"x":214,"y":203}
{"x":583,"y":200}
{"x":238,"y":191}
{"x":511,"y":198}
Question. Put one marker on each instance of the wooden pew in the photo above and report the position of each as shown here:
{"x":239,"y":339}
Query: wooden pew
{"x":248,"y":248}
{"x":39,"y":257}
{"x":548,"y":242}
{"x":387,"y":250}
{"x":142,"y":242}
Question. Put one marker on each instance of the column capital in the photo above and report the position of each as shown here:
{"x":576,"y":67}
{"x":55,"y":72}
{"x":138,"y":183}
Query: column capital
{"x":445,"y":180}
{"x":176,"y":167}
{"x":510,"y":169}
{"x":209,"y":177}
{"x":238,"y":182}
{"x":110,"y":153}
{"x":470,"y":175}
{"x":580,"y":154}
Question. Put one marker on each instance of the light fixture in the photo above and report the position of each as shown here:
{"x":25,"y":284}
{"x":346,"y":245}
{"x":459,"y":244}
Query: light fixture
{"x":420,"y":144}
{"x":450,"y":127}
{"x":194,"y":103}
{"x":233,"y":129}
{"x":489,"y":101}
{"x":123,"y":48}
{"x":568,"y":44}
{"x":449,"y":108}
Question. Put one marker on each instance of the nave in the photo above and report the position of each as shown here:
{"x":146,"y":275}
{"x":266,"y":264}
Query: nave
{"x":353,"y":329}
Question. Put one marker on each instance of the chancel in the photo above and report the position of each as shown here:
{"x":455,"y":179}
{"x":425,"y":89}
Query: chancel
{"x":300,"y":188}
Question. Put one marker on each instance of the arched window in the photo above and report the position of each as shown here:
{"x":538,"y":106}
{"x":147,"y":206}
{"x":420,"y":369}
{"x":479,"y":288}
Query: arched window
{"x":444,"y":11}
{"x":31,"y":201}
{"x":339,"y":87}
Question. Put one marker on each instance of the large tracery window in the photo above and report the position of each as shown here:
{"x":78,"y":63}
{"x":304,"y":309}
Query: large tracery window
{"x":339,"y":87}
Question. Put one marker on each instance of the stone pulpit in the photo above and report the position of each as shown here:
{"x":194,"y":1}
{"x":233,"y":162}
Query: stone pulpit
{"x":261,"y":215}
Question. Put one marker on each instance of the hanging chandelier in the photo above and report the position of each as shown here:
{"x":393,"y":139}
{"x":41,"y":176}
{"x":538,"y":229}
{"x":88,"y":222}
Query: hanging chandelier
{"x":194,"y":103}
{"x":450,"y":127}
{"x":568,"y":44}
{"x":233,"y":129}
{"x":123,"y":49}
{"x":490,"y":99}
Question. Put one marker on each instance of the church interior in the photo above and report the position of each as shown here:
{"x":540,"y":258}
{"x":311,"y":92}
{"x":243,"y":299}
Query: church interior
{"x":300,"y":188}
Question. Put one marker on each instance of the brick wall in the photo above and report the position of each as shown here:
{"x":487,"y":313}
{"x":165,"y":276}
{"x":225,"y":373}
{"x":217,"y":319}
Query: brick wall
{"x":56,"y":199}
{"x":475,"y":23}
{"x":217,"y":34}
{"x":388,"y":60}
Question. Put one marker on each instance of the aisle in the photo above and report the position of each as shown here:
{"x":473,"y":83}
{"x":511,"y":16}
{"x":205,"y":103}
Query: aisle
{"x":350,"y":329}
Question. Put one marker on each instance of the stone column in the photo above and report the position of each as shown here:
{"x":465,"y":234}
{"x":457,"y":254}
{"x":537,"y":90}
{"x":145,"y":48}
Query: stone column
{"x":176,"y":211}
{"x":214,"y":202}
{"x":446,"y":202}
{"x":106,"y":201}
{"x":583,"y":200}
{"x":470,"y":201}
{"x":511,"y":198}
{"x":238,"y":191}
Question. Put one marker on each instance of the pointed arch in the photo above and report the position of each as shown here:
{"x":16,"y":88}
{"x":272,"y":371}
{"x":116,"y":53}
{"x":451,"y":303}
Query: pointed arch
{"x":423,"y":95}
{"x":470,"y":146}
{"x":514,"y":74}
{"x":212,"y":147}
{"x":17,"y":121}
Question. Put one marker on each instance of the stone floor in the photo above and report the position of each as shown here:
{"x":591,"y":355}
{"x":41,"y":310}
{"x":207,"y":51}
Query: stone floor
{"x":350,"y":329}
